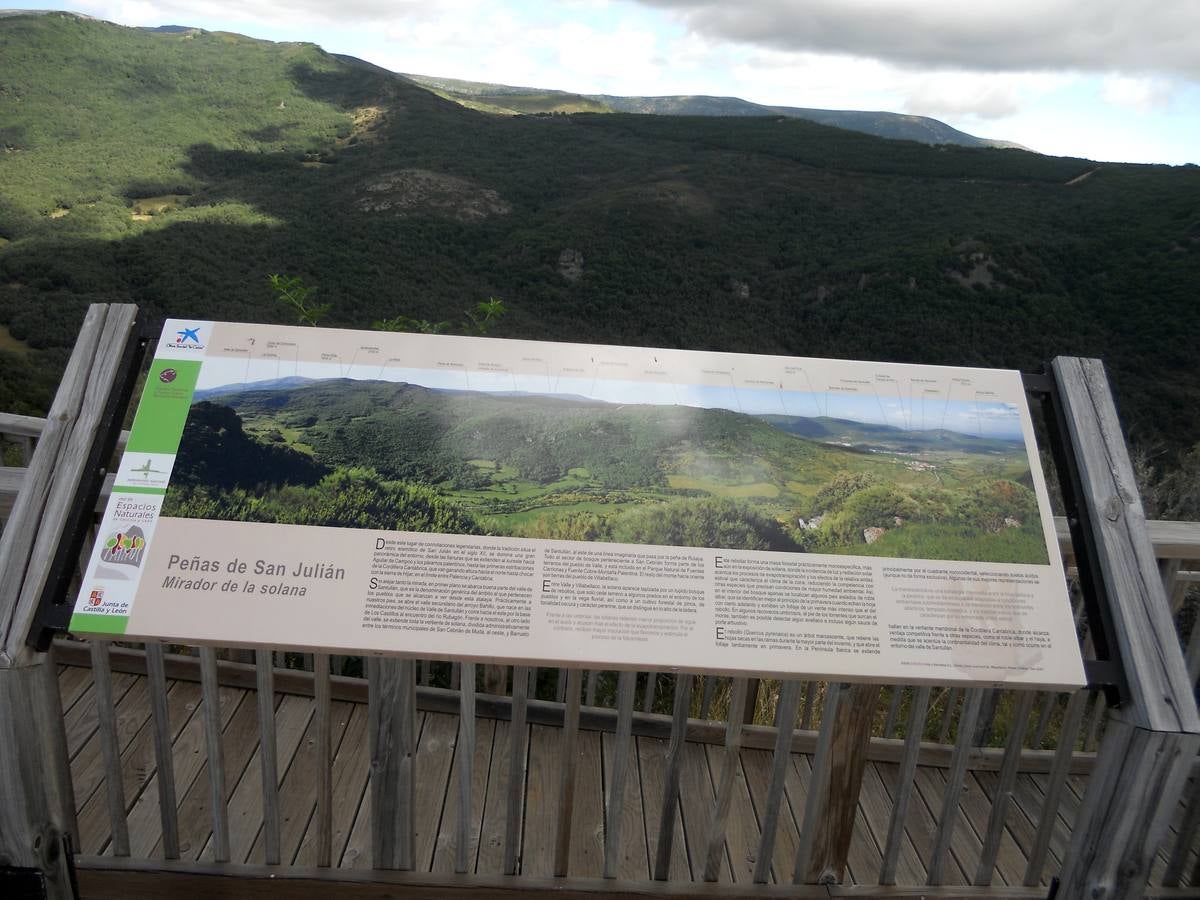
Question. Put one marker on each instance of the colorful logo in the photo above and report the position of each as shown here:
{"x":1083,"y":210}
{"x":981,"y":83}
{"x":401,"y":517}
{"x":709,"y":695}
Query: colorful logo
{"x":166,"y":376}
{"x":124,"y":548}
{"x":186,"y":338}
{"x":96,"y":597}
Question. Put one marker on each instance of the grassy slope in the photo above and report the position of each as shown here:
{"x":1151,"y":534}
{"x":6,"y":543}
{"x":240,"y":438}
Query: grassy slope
{"x":842,"y":240}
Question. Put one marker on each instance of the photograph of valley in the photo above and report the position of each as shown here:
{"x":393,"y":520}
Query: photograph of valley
{"x":559,"y":465}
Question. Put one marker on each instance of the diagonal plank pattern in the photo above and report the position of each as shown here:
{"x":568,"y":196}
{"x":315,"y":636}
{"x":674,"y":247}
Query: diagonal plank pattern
{"x":437,"y":797}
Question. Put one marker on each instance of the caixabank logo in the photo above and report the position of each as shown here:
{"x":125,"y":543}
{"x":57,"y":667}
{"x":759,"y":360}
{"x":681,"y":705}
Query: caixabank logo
{"x":187,"y":337}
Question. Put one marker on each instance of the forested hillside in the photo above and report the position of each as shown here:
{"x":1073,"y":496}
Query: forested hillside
{"x":179,"y":170}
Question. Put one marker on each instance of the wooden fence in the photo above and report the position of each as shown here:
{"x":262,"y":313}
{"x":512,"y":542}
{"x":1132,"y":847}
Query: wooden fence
{"x":1139,"y":758}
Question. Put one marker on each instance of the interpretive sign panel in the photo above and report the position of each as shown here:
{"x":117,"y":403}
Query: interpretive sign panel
{"x":577,"y":504}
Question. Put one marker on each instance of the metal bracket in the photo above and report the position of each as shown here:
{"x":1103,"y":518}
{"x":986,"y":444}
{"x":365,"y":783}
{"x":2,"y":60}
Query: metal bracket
{"x":68,"y":846}
{"x":1107,"y":671}
{"x":54,"y":609}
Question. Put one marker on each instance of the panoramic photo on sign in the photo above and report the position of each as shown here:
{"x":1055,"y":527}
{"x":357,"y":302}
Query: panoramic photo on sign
{"x":586,"y":505}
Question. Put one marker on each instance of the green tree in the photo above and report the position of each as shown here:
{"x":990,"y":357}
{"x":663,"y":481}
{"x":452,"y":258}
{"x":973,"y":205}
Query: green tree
{"x":293,"y":293}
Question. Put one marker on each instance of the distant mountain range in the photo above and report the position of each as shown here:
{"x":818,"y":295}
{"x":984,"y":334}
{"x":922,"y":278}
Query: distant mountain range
{"x":503,"y":98}
{"x":513,"y":100}
{"x":271,"y":384}
{"x":886,"y":438}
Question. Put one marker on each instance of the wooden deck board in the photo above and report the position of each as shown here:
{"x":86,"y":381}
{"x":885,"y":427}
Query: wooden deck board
{"x":877,"y":809}
{"x":446,"y":845}
{"x":652,"y":766}
{"x":697,"y":796}
{"x":80,"y":722}
{"x":349,"y":782}
{"x":138,"y":771}
{"x":920,"y":824}
{"x":743,"y":828}
{"x":187,"y":757}
{"x":977,"y":807}
{"x":297,"y":800}
{"x":87,"y":768}
{"x":73,"y":682}
{"x":195,"y":818}
{"x":1021,"y":827}
{"x":754,"y":779}
{"x":587,"y":833}
{"x":292,"y":716}
{"x":435,"y":755}
{"x":495,"y":800}
{"x":537,"y":857}
{"x":633,"y":859}
{"x":436,"y":788}
{"x":965,"y":845}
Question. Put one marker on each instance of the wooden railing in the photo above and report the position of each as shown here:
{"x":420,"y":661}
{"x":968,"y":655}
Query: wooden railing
{"x":839,"y":725}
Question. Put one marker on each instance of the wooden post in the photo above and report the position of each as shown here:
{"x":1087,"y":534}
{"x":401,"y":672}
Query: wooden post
{"x":322,"y":713}
{"x":265,"y":680}
{"x":781,"y":762}
{"x":715,"y":852}
{"x":904,"y":784}
{"x":614,"y":807}
{"x":392,"y":714}
{"x":516,"y":771}
{"x":951,"y":799}
{"x":1004,"y":791}
{"x":35,"y":797}
{"x":565,"y":816}
{"x":163,"y":758}
{"x":1152,"y":739}
{"x":838,"y":800}
{"x":666,"y":819}
{"x":465,"y":751}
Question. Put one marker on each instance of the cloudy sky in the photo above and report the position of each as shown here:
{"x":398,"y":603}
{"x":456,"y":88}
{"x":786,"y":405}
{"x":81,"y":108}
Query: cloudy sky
{"x":1105,"y":79}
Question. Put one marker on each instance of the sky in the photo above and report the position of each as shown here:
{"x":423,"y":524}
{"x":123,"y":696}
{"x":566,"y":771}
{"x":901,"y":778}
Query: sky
{"x":1114,"y":80}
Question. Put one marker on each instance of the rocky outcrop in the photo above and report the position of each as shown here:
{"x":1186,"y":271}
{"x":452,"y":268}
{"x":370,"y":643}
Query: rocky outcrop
{"x":570,"y":264}
{"x":408,"y":192}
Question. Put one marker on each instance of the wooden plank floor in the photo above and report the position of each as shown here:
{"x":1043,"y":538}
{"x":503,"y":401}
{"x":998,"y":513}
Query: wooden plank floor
{"x":437,"y":766}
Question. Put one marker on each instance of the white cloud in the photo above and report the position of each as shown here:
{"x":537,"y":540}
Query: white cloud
{"x":976,"y":96}
{"x":1101,"y":78}
{"x":988,"y":35}
{"x":1140,"y":94}
{"x":845,"y":82}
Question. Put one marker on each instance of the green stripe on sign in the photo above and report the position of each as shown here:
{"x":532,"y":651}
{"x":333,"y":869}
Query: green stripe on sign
{"x":91,"y":623}
{"x":164,"y":406}
{"x":126,"y":489}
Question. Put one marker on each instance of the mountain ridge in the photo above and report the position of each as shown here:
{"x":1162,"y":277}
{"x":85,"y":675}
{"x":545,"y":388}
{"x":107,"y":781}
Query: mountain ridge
{"x":526,"y":100}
